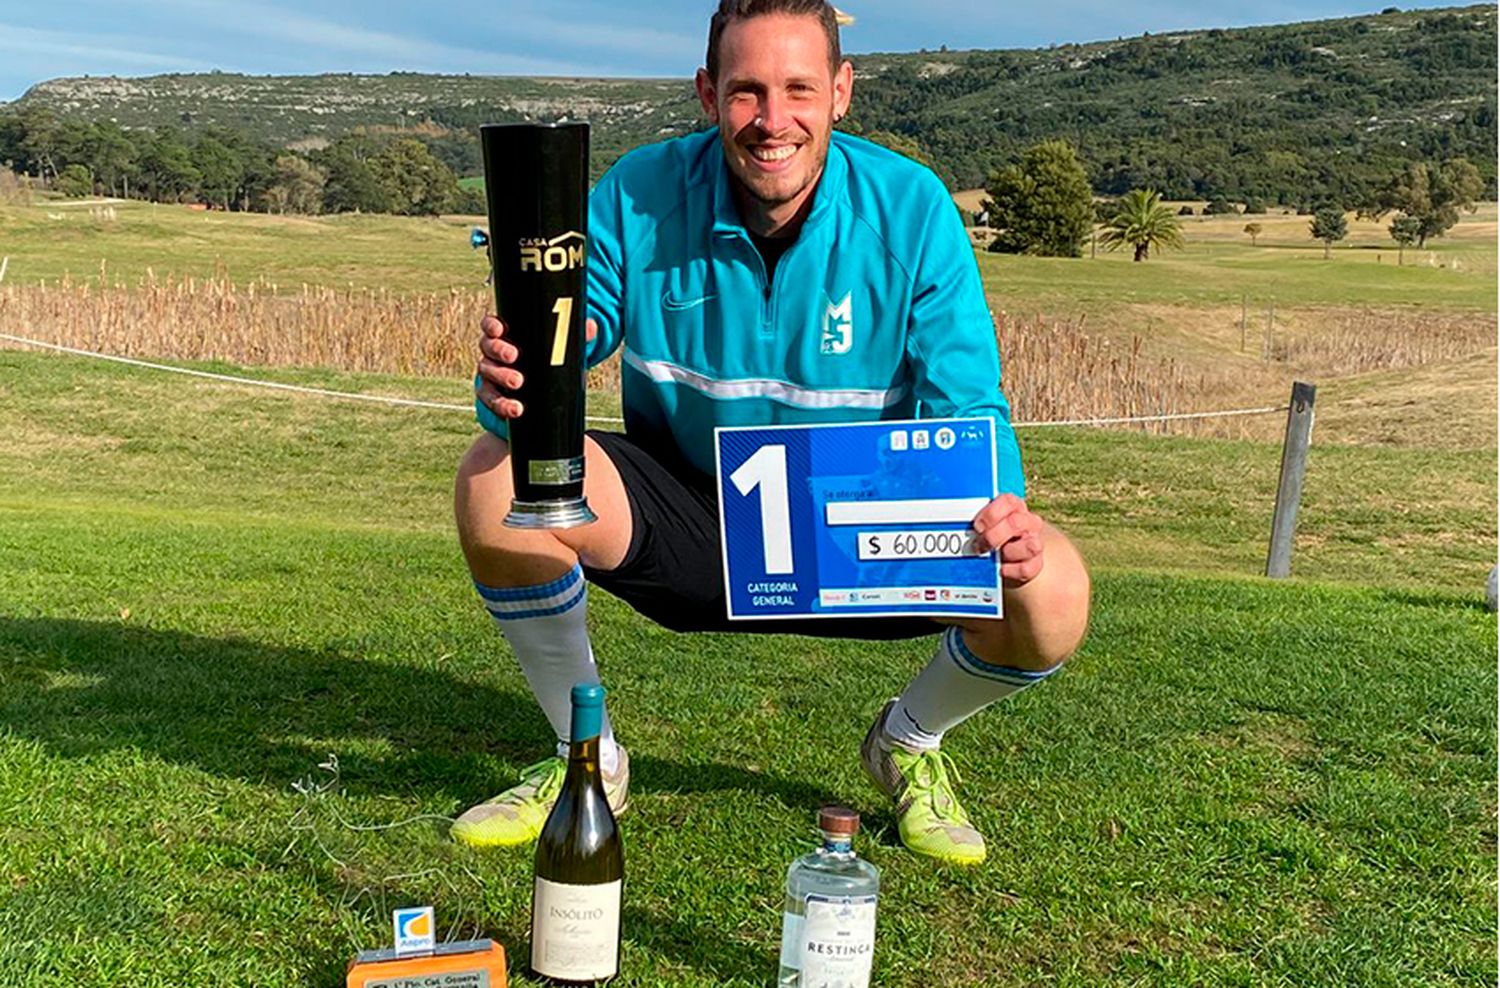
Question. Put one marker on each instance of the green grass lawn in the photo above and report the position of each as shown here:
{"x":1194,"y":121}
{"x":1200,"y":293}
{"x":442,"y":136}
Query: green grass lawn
{"x":206,"y":591}
{"x":47,"y":240}
{"x":1208,"y":272}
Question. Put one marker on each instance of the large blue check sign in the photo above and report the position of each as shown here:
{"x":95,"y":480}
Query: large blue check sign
{"x":868,"y":519}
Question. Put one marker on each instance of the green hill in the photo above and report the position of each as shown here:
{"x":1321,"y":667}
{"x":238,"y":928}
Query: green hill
{"x":1293,"y":113}
{"x":1324,"y":105}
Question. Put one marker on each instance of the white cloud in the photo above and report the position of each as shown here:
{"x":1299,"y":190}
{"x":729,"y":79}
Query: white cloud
{"x":317,"y":33}
{"x":518,"y":33}
{"x":31,"y":42}
{"x":587,"y":29}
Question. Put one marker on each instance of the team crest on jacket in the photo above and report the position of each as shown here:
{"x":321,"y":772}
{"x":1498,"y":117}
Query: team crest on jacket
{"x":838,"y":326}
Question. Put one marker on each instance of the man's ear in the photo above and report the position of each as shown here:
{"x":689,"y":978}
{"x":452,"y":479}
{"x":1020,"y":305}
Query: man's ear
{"x":843,"y":90}
{"x":708,"y":97}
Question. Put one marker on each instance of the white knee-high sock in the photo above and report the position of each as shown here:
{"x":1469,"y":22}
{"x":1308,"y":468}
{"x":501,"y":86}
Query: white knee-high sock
{"x":954,"y":686}
{"x":545,"y":626}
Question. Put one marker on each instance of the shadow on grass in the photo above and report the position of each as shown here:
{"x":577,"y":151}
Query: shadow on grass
{"x":698,"y":946}
{"x":248,"y":710}
{"x":252,"y":711}
{"x":1445,"y":600}
{"x":264,"y":714}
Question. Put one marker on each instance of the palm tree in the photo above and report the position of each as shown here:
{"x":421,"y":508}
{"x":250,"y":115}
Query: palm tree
{"x":1142,"y":222}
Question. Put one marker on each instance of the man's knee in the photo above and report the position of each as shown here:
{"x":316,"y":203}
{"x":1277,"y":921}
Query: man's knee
{"x":1068,"y":600}
{"x":1046,"y":620}
{"x":486,"y":454}
{"x":483,"y":480}
{"x":1060,"y":610}
{"x":483,"y":491}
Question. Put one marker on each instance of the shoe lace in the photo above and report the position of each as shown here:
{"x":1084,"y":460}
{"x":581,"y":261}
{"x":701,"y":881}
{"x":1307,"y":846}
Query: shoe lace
{"x":931,"y":778}
{"x":545,"y":777}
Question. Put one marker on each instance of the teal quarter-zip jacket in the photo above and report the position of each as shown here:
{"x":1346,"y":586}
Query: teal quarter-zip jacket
{"x":876,"y":311}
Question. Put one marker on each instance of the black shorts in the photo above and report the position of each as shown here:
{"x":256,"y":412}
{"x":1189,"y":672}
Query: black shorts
{"x":673,"y":572}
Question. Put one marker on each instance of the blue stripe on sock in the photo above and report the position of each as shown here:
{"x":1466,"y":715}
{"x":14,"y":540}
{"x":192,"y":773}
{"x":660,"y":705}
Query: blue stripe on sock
{"x":557,"y":586}
{"x":954,"y":639}
{"x":570,"y":603}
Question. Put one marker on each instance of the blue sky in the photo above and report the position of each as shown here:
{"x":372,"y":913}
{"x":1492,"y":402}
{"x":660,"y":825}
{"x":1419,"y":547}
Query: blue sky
{"x":40,"y":40}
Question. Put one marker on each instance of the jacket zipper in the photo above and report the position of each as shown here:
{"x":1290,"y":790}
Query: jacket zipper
{"x":766,"y":327}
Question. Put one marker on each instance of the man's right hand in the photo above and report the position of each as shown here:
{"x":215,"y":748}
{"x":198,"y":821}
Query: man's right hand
{"x":498,"y":378}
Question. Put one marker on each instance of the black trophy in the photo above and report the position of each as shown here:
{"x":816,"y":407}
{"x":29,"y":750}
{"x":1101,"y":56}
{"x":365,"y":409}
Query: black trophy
{"x":536,"y":183}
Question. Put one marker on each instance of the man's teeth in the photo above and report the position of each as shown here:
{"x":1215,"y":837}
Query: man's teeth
{"x":774,"y":154}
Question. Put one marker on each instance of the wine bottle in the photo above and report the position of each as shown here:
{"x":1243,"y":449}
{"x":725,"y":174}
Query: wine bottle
{"x":580,"y":867}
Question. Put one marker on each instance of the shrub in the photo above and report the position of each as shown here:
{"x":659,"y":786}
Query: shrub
{"x":75,"y":182}
{"x":1043,"y":204}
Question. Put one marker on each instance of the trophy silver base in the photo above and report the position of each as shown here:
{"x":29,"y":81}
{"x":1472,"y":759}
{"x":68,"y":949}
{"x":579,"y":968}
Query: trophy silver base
{"x":567,"y":513}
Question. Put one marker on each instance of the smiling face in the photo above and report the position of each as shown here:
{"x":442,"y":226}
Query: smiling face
{"x":775,"y":102}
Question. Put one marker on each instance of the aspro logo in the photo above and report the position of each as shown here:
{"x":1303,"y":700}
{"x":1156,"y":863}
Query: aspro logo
{"x":561,"y":253}
{"x":416,"y":932}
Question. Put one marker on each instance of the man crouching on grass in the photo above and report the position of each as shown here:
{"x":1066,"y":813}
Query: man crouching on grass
{"x":712,"y":260}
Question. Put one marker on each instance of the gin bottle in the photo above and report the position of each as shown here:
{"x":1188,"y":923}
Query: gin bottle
{"x":828,"y":922}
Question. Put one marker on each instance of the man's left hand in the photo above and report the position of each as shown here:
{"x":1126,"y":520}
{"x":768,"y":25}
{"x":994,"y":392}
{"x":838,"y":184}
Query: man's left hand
{"x":1007,"y":525}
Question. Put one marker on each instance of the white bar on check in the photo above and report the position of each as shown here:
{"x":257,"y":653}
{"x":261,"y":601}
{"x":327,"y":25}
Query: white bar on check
{"x":932,"y":510}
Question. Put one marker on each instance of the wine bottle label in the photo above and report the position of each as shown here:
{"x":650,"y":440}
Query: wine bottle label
{"x":837,"y":941}
{"x":575,"y":930}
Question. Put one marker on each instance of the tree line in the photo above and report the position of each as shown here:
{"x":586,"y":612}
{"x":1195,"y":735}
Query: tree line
{"x":1306,"y":116}
{"x":227,"y":169}
{"x":1043,"y":205}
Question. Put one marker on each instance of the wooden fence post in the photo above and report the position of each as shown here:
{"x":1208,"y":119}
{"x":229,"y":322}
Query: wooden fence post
{"x":1265,"y":341}
{"x":1299,"y":423}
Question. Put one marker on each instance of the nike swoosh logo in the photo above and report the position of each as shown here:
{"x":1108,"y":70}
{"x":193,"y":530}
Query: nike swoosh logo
{"x":682,"y":305}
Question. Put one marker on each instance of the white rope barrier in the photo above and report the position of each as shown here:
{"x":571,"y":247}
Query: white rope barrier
{"x":1174,"y":417}
{"x":441,"y":406}
{"x":230,"y":379}
{"x":257,"y":383}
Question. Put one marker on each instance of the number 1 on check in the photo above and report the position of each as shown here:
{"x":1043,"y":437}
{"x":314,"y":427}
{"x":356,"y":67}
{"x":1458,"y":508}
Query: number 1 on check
{"x":766,"y":469}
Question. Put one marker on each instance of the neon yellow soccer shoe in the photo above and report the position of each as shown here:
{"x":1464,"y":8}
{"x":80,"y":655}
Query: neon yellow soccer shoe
{"x":928,"y":815}
{"x":516,"y":816}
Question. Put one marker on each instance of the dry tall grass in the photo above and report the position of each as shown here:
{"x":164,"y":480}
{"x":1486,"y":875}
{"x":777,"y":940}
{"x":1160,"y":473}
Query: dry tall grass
{"x":15,"y":190}
{"x":1052,"y":369}
{"x":258,"y":324}
{"x":1362,"y":340}
{"x":1055,"y":370}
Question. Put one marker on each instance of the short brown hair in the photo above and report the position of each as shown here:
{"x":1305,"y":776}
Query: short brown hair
{"x":730,"y":10}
